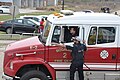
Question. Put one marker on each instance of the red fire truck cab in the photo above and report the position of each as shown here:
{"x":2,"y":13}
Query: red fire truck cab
{"x":36,"y":58}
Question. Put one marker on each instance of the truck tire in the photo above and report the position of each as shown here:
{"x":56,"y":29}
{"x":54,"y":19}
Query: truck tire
{"x":34,"y":75}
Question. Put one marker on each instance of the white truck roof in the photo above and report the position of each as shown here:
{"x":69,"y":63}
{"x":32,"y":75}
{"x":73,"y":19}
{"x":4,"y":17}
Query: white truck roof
{"x":86,"y":18}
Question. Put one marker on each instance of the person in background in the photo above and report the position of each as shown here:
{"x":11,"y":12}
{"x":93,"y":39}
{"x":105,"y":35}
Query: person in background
{"x":77,"y":57}
{"x":116,"y":13}
{"x":45,"y":21}
{"x":92,"y":39}
{"x":41,"y":25}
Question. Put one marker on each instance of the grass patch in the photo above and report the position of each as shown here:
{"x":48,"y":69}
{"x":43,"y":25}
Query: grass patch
{"x":6,"y":17}
{"x":2,"y":32}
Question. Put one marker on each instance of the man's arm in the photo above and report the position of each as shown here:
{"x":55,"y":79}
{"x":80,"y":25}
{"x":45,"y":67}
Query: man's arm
{"x":85,"y":48}
{"x":64,"y":46}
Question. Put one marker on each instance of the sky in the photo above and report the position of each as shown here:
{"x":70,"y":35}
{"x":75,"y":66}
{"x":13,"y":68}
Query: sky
{"x":5,"y":0}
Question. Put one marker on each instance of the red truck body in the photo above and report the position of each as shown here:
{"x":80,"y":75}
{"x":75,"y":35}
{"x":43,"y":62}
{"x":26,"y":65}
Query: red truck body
{"x":33,"y":54}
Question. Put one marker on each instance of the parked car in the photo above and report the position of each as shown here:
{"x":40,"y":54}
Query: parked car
{"x":38,"y":23}
{"x":83,"y":12}
{"x":19,"y":26}
{"x":36,"y":18}
{"x":4,"y":9}
{"x":88,"y":11}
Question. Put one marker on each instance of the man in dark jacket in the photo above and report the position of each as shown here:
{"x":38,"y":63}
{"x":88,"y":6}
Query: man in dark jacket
{"x":77,"y":58}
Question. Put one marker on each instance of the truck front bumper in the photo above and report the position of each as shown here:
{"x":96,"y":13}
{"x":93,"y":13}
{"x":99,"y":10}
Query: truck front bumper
{"x":5,"y":77}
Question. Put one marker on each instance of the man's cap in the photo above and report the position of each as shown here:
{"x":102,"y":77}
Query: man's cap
{"x":78,"y":38}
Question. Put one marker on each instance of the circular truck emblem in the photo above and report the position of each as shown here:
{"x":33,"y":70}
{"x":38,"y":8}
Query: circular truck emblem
{"x":104,"y":54}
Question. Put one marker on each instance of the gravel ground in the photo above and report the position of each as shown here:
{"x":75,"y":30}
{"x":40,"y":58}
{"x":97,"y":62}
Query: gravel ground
{"x":29,"y":10}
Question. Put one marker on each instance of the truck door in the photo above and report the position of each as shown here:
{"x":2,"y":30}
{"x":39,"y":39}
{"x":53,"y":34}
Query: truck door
{"x":60,"y":58}
{"x":102,"y":48}
{"x":57,"y":56}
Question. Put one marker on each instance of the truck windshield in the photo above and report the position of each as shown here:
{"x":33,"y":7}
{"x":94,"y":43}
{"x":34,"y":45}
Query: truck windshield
{"x":46,"y":30}
{"x":45,"y":34}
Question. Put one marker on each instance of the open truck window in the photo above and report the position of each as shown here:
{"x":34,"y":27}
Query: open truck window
{"x":69,"y":33}
{"x":63,"y":34}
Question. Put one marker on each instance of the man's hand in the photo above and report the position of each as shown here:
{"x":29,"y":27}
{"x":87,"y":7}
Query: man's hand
{"x":84,"y":41}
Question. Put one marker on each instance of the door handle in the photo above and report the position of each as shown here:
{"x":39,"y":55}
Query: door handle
{"x":57,"y":50}
{"x":113,"y":56}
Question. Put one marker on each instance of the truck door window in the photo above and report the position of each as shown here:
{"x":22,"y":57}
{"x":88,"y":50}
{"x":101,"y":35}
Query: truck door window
{"x":69,"y":32}
{"x":56,"y":34}
{"x":106,"y":35}
{"x":92,"y":36}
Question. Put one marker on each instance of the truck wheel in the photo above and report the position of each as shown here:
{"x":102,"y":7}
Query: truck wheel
{"x":34,"y":75}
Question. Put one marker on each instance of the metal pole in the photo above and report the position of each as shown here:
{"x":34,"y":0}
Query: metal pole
{"x":63,"y":5}
{"x":13,"y":16}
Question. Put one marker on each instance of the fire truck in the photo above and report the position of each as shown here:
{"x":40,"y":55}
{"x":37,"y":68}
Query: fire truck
{"x":36,"y":58}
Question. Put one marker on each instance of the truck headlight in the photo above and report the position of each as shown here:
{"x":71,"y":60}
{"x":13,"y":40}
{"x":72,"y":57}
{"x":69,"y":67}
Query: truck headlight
{"x":11,"y":65}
